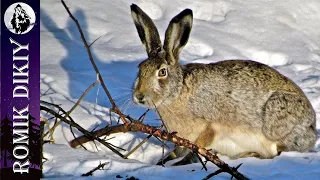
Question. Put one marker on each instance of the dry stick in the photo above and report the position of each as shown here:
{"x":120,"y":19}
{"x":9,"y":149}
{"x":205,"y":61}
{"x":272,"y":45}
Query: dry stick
{"x":75,"y":136}
{"x":101,"y":132}
{"x":46,"y":122}
{"x":218,"y":172}
{"x":186,"y":143}
{"x":67,"y":114}
{"x":202,"y":163}
{"x":213,"y":174}
{"x":172,"y":137}
{"x":100,"y":166}
{"x":63,"y":112}
{"x":81,"y":129}
{"x":81,"y":97}
{"x":162,"y":158}
{"x":51,"y":130}
{"x":142,"y":142}
{"x":114,"y":106}
{"x":77,"y":104}
{"x":141,"y":118}
{"x":164,"y":125}
{"x":94,"y":41}
{"x":139,"y":145}
{"x":60,"y":109}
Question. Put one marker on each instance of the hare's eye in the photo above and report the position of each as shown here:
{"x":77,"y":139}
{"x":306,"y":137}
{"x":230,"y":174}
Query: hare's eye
{"x":162,"y":72}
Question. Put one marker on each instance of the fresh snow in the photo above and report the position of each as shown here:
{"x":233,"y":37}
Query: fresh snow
{"x":282,"y":34}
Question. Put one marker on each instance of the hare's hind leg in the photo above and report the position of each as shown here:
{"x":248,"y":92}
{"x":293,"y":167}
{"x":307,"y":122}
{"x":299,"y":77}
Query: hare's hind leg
{"x":300,"y":139}
{"x":289,"y":119}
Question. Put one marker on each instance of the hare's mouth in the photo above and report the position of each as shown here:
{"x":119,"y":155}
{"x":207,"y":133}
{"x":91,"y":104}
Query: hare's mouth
{"x":145,"y":101}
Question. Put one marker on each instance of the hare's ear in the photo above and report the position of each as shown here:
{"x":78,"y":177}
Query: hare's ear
{"x":177,"y":34}
{"x":147,"y":31}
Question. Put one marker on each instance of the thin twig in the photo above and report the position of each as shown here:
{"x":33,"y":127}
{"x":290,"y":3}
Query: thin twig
{"x":141,"y":118}
{"x":164,"y":125}
{"x":213,"y":174}
{"x":81,"y":129}
{"x":100,"y":166}
{"x":59,"y":122}
{"x":75,"y":136}
{"x":140,"y":144}
{"x":202,"y":163}
{"x":106,"y":131}
{"x":114,"y":106}
{"x":162,"y":160}
{"x":94,"y":41}
{"x":53,"y":128}
{"x":67,"y":114}
{"x":81,"y":97}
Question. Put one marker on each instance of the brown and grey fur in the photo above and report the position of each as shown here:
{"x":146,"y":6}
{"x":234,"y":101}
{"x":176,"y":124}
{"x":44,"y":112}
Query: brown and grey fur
{"x":237,"y":108}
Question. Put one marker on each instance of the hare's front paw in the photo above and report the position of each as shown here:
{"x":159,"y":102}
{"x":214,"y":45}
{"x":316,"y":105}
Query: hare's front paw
{"x":188,"y":159}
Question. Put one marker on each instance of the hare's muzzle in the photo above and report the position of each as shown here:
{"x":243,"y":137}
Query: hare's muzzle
{"x":139,"y":98}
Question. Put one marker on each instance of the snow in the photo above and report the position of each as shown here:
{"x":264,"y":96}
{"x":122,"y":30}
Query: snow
{"x":282,"y":34}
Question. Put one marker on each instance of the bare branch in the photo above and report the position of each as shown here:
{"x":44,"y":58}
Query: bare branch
{"x":172,"y":137}
{"x":213,"y":174}
{"x":114,"y":106}
{"x":202,"y":163}
{"x":164,"y":125}
{"x":81,"y":129}
{"x":100,"y":166}
{"x":139,"y":145}
{"x":81,"y":97}
{"x":101,"y":132}
{"x":141,"y":118}
{"x":94,"y":41}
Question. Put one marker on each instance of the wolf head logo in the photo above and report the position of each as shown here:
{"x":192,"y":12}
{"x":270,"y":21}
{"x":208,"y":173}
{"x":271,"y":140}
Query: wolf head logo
{"x":20,"y":20}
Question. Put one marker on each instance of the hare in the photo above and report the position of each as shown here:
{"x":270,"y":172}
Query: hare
{"x":237,"y":108}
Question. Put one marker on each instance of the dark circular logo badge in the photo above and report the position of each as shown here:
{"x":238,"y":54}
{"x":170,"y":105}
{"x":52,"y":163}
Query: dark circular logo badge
{"x":19,"y":18}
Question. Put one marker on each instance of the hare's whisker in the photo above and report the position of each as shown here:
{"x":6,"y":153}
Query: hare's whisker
{"x":124,"y":104}
{"x":128,"y":106}
{"x":121,"y":95}
{"x":122,"y":88}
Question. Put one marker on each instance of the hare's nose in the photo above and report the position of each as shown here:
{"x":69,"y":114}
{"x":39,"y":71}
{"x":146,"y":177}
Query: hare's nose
{"x":140,"y":98}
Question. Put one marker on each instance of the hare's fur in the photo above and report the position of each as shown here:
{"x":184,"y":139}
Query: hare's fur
{"x":237,"y":107}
